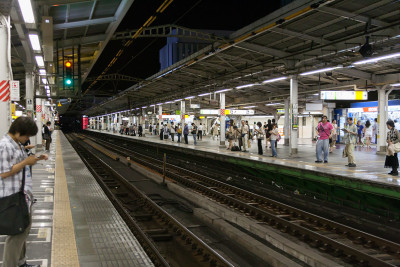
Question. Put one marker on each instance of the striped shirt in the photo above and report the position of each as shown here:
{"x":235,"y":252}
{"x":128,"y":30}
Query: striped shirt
{"x":12,"y":153}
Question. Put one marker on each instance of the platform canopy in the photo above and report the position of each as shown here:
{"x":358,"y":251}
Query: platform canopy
{"x":300,"y":37}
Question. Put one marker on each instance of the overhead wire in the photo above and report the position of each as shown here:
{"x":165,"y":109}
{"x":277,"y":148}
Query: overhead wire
{"x":148,"y":22}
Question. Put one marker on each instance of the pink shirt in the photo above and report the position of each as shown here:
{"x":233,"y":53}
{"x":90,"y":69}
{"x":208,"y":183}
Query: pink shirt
{"x":324,"y":130}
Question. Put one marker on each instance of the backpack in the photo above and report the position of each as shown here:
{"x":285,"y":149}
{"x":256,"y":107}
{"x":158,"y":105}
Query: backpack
{"x":179,"y":130}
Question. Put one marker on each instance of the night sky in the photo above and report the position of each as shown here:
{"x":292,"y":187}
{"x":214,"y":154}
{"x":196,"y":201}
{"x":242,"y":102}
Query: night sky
{"x":141,"y":60}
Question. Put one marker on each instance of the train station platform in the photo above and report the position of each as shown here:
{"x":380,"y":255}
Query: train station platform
{"x":74,"y":223}
{"x":367,"y":185}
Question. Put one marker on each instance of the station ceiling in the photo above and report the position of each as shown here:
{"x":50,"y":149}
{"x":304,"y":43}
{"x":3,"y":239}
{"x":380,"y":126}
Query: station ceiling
{"x":300,"y":37}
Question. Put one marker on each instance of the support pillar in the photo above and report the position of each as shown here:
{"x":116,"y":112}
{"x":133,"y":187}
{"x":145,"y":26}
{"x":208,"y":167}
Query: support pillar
{"x":286,"y":128}
{"x":183,"y":111}
{"x":222,"y":119}
{"x":382,"y":116}
{"x":39,"y":123}
{"x":5,"y":74}
{"x":160,"y":121}
{"x":29,"y":93}
{"x":294,"y":114}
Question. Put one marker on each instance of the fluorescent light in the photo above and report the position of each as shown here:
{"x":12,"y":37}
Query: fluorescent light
{"x":223,"y":90}
{"x":152,"y":105}
{"x":319,"y":71}
{"x":274,"y":80}
{"x":34,"y":38}
{"x":373,"y":60}
{"x":395,"y":84}
{"x":48,"y":91}
{"x":39,"y":61}
{"x":250,"y":107}
{"x":245,"y":86}
{"x":159,"y":104}
{"x":205,"y":94}
{"x":273,"y":104}
{"x":46,"y":87}
{"x":42,"y":71}
{"x":26,"y":10}
{"x":190,"y":97}
{"x":144,"y":107}
{"x":44,"y":80}
{"x":169,"y":102}
{"x":178,"y":100}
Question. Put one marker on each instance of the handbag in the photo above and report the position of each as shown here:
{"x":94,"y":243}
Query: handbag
{"x":14,"y":213}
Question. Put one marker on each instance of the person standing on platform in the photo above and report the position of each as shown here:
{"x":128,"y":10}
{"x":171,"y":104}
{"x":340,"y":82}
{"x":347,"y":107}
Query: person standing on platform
{"x":172,"y":131}
{"x":375,"y":130}
{"x":14,"y":164}
{"x":260,"y":136}
{"x":200,"y":132}
{"x":245,"y":135}
{"x":368,"y":133}
{"x":274,"y":135}
{"x":333,"y":138}
{"x":267,"y":134}
{"x":166,"y":132}
{"x":194,"y":132}
{"x":360,"y":131}
{"x":276,"y":124}
{"x":324,"y":130}
{"x":230,"y":135}
{"x":186,"y":133}
{"x":393,"y":137}
{"x":140,"y":131}
{"x":350,"y":139}
{"x":47,"y":135}
{"x":179,"y":132}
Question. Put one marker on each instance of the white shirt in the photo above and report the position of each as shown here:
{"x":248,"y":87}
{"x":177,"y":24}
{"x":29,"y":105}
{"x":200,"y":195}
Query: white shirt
{"x":200,"y":128}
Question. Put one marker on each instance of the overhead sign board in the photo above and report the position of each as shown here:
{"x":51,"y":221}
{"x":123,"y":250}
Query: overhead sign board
{"x":314,"y":106}
{"x":14,"y":91}
{"x":194,"y":105}
{"x":344,"y":95}
{"x":227,"y":112}
{"x":29,"y":104}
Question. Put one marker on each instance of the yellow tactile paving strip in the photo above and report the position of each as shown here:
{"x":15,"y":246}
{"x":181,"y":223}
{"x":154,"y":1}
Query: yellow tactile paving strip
{"x":63,"y":252}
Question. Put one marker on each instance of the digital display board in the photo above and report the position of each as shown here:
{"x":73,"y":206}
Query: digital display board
{"x":344,"y":95}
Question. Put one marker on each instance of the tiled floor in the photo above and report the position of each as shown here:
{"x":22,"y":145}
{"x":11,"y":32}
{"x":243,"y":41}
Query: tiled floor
{"x":369,"y":163}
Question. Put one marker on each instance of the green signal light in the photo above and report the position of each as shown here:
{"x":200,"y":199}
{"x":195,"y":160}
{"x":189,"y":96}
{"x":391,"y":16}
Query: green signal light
{"x":68,"y":82}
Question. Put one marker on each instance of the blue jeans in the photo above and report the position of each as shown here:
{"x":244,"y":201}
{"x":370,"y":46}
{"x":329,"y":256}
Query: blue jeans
{"x":273,"y":146}
{"x":179,"y":137}
{"x":322,"y":145}
{"x":194,"y":138}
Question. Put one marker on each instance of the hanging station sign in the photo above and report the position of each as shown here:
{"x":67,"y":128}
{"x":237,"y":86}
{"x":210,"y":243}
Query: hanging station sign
{"x":227,"y":112}
{"x":344,"y":95}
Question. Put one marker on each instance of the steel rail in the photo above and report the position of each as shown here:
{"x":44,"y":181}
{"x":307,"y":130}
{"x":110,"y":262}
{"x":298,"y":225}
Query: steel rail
{"x":323,"y":242}
{"x":200,"y":247}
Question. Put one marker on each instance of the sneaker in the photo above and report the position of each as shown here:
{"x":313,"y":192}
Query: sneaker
{"x":318,"y":161}
{"x":394,"y":174}
{"x":325,"y":161}
{"x":351,"y":165}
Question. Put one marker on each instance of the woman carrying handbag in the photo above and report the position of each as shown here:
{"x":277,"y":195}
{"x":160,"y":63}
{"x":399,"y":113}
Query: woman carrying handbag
{"x":393,"y":141}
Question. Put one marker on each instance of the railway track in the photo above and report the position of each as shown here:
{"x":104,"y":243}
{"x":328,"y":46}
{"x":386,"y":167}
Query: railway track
{"x":154,"y":228}
{"x":349,"y":244}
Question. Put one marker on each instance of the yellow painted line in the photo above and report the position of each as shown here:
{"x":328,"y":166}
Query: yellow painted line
{"x":63,"y":250}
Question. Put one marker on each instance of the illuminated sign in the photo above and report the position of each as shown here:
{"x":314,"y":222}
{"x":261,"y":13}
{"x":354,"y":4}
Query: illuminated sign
{"x":227,"y":112}
{"x":194,"y":105}
{"x":344,"y":95}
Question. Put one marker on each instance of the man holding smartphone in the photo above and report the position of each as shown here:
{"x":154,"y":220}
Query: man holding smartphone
{"x":13,"y":160}
{"x":350,"y":139}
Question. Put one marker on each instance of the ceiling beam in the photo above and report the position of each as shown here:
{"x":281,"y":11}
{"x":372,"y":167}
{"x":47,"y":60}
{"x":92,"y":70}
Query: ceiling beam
{"x":352,"y":16}
{"x":355,"y":73}
{"x":300,"y":35}
{"x":264,"y":50}
{"x":82,"y":41}
{"x":83,"y":23}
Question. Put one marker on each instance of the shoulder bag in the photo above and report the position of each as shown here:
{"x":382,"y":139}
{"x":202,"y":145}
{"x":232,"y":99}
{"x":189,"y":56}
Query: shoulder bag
{"x":14,"y":213}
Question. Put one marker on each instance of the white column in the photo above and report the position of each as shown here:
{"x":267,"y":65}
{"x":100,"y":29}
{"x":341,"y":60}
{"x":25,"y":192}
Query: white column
{"x":5,"y":74}
{"x":286,"y":128}
{"x":382,"y":114}
{"x":29,"y":92}
{"x":143,"y":121}
{"x":294,"y":114}
{"x":183,"y":111}
{"x":39,"y":123}
{"x":160,"y":121}
{"x":222,"y":119}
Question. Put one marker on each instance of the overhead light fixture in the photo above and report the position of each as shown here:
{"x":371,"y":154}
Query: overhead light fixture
{"x":48,"y":91}
{"x":42,"y":71}
{"x":223,"y":90}
{"x":39,"y":61}
{"x":46,"y":87}
{"x":169,"y":102}
{"x":34,"y":38}
{"x":159,"y":104}
{"x":44,"y":80}
{"x":320,"y":70}
{"x":273,"y":104}
{"x":245,"y":86}
{"x":205,"y":94}
{"x":376,"y":59}
{"x":152,"y":105}
{"x":26,"y":10}
{"x":274,"y":80}
{"x":178,"y":100}
{"x":395,"y":84}
{"x":190,"y":97}
{"x":144,"y":107}
{"x":250,"y":107}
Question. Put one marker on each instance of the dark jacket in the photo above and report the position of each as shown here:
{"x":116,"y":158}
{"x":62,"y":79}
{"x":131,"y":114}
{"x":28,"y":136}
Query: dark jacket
{"x":186,"y":130}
